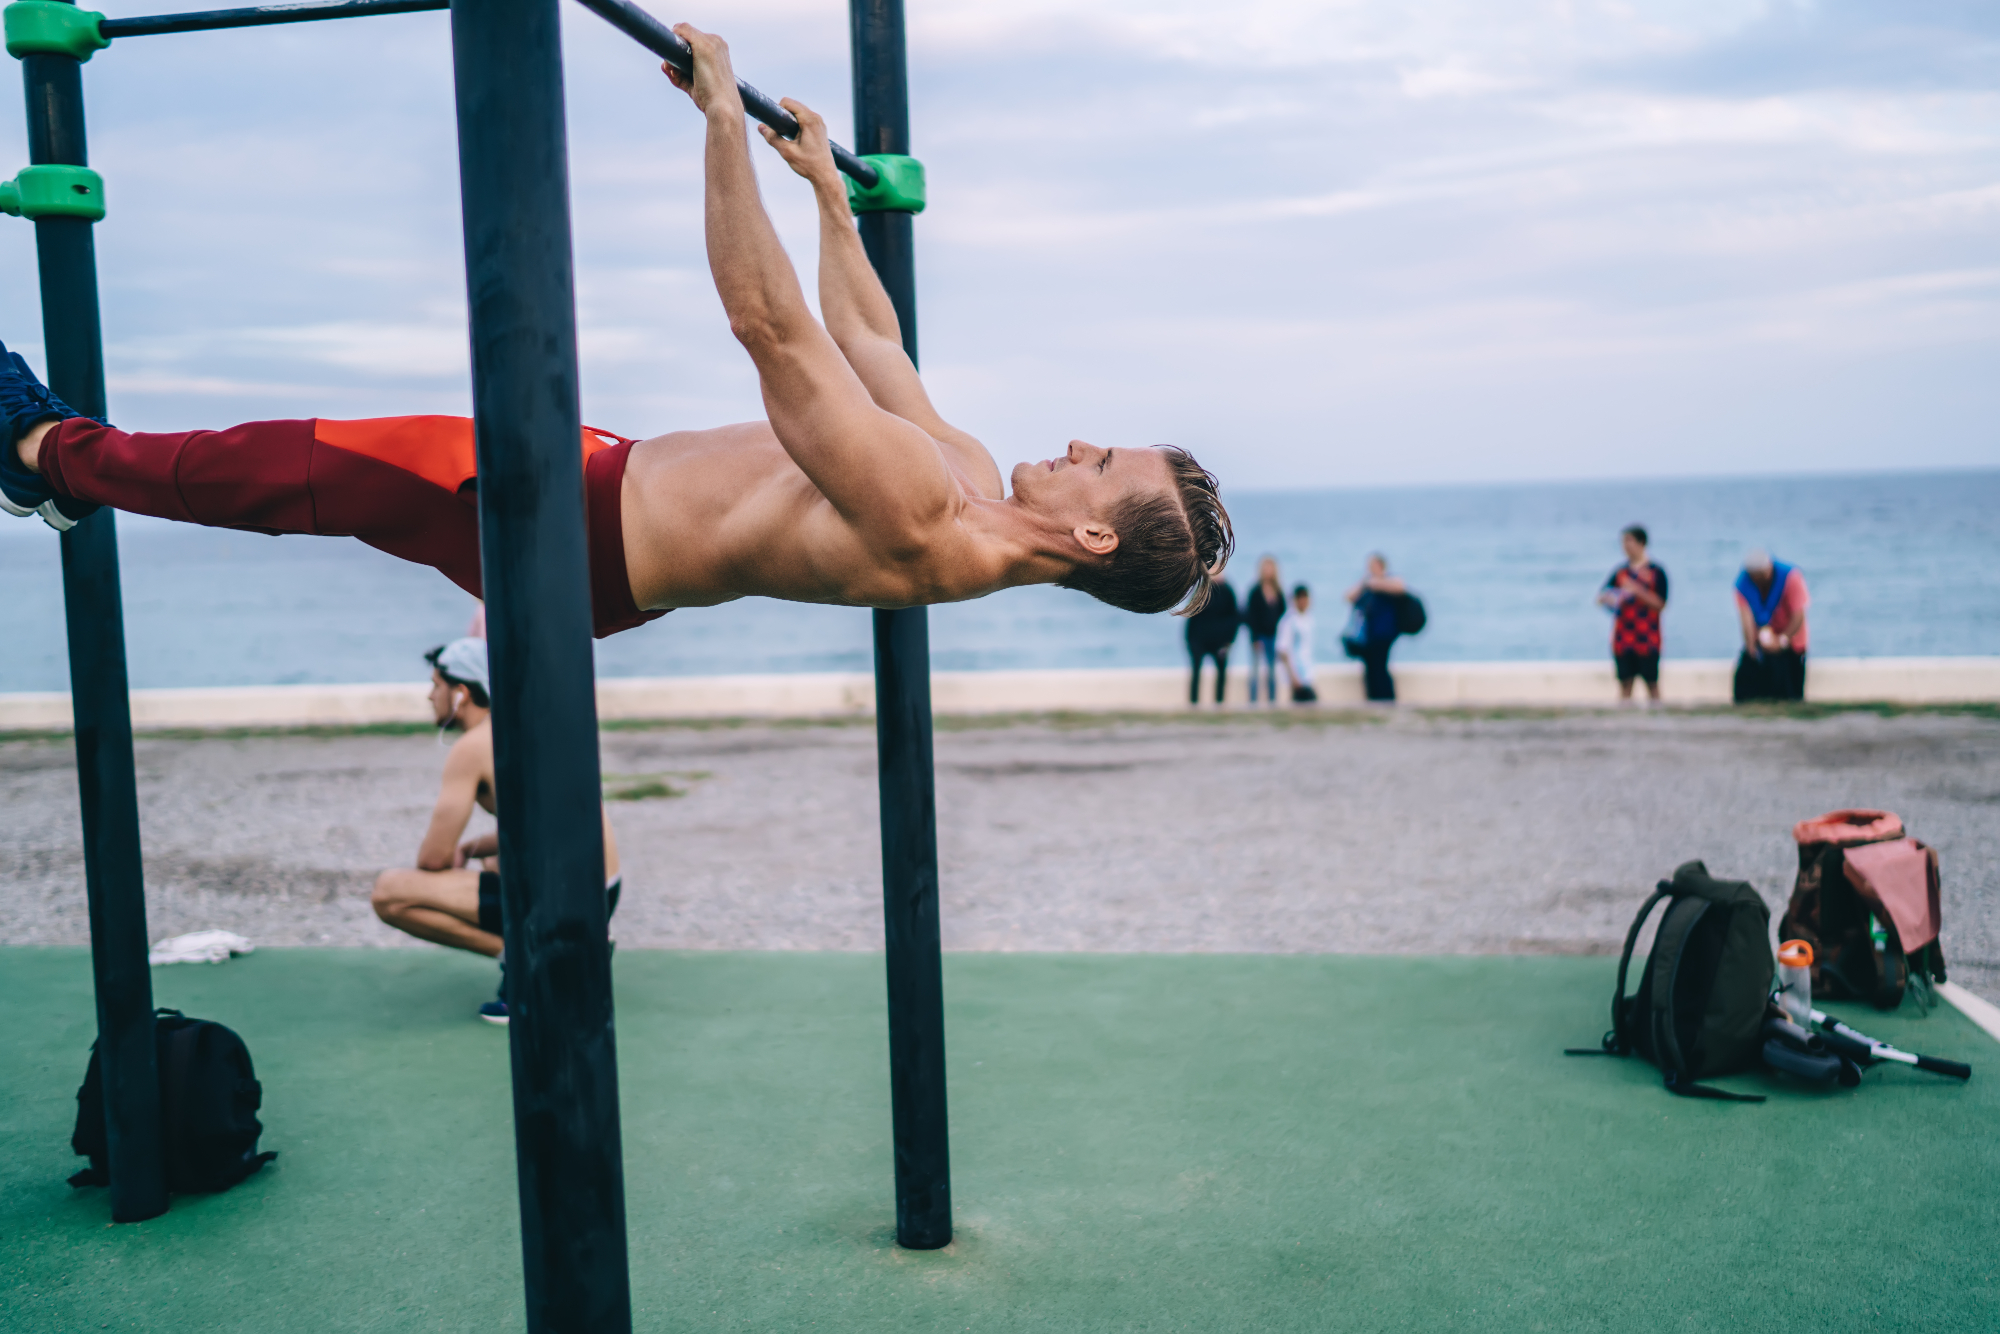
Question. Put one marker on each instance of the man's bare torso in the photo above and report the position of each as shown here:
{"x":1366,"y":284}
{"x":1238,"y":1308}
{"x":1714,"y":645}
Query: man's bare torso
{"x":719,"y":514}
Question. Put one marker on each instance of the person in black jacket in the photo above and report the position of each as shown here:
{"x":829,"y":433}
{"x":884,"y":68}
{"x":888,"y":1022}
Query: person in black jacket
{"x":1210,"y":632}
{"x":1263,"y":608}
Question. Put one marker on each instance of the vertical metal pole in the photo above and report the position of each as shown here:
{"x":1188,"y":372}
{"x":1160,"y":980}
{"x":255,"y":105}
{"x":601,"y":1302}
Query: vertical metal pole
{"x":514,"y":179}
{"x":903,"y":717}
{"x":113,"y":875}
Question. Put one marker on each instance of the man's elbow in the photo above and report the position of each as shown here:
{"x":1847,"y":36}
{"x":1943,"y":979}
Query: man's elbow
{"x":761,"y":327}
{"x":754,"y":329}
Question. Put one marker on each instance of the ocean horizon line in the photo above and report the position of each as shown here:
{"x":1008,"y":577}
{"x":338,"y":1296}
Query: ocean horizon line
{"x":1619,"y":479}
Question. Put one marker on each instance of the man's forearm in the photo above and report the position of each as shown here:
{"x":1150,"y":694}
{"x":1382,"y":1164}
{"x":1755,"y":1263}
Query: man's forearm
{"x":754,"y":277}
{"x":852,"y":301}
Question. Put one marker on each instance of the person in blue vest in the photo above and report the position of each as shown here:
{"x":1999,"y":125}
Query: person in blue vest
{"x":1771,"y":602}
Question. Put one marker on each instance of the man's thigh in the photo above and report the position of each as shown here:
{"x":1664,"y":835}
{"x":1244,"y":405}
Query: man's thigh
{"x":455,"y":892}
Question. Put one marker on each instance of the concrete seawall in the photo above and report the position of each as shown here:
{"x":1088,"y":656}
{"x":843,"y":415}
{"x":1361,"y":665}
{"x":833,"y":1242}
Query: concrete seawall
{"x":1145,"y":689}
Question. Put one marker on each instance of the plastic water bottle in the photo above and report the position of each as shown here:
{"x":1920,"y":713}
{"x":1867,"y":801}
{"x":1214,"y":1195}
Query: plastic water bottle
{"x":1795,"y":981}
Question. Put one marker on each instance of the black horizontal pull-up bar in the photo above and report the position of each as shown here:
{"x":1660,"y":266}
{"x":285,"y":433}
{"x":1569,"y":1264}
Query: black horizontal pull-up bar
{"x":662,"y":41}
{"x":623,"y":15}
{"x":158,"y":25}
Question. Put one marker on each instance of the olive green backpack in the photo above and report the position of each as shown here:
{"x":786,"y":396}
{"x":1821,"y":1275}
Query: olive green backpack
{"x":1699,"y":1010}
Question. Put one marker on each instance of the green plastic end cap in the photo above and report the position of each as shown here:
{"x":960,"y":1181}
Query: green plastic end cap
{"x":899,"y":187}
{"x":50,"y":28}
{"x":54,"y":192}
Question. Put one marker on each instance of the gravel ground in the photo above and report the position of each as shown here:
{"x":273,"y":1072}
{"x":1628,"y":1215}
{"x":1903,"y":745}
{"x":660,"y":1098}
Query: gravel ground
{"x":1407,"y":834}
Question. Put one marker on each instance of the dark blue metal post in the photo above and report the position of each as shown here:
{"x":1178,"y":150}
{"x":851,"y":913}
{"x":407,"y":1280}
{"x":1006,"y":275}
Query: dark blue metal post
{"x":514,"y":177}
{"x":903,"y":717}
{"x":99,"y":697}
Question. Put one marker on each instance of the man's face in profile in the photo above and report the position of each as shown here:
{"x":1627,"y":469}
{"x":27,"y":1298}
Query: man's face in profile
{"x":1088,"y":482}
{"x":444,"y":705}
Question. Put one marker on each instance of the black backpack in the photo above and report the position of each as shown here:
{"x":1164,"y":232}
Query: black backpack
{"x":1699,"y":1010}
{"x":1410,"y":618}
{"x":209,"y":1097}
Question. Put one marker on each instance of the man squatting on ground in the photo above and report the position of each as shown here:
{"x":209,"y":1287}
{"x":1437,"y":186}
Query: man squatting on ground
{"x":443,"y":899}
{"x":855,"y":492}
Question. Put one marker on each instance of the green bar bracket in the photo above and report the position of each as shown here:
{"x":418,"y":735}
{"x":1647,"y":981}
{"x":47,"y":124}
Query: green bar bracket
{"x":899,"y":187}
{"x":54,"y":192}
{"x":49,"y":28}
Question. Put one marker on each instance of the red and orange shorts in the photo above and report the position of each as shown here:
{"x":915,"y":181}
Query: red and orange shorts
{"x":404,"y":485}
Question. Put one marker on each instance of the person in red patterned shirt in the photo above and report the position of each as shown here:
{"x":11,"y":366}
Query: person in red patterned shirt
{"x":1636,"y":593}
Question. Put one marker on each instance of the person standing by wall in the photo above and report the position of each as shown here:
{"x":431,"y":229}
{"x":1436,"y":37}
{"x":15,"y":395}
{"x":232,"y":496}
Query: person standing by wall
{"x":1375,"y":597}
{"x":1636,"y":593}
{"x":1210,"y":632}
{"x":1295,"y":646}
{"x":1771,"y":602}
{"x":1262,"y":610}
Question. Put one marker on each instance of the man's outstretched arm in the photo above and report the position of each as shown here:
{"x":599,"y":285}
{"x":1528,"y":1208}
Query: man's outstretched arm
{"x":885,"y":476}
{"x":858,"y":312}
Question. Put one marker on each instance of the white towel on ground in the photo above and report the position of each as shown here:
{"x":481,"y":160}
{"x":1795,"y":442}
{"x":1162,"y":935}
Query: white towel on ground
{"x":200,"y":947}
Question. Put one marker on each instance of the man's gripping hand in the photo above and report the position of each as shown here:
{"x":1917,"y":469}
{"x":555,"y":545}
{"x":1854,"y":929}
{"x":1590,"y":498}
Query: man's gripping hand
{"x":811,"y":154}
{"x":714,"y":86}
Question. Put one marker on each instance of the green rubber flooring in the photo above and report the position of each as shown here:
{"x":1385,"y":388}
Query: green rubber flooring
{"x":1139,"y":1143}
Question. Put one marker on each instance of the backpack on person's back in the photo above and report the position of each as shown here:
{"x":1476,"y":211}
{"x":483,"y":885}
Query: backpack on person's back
{"x":209,"y":1099}
{"x":1410,"y":620}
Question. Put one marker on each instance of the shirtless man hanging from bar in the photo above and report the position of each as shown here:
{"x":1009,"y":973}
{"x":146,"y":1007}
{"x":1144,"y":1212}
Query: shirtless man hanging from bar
{"x":855,"y":492}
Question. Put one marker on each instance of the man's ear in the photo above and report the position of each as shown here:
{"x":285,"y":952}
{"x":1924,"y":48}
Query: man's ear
{"x":1096,"y":538}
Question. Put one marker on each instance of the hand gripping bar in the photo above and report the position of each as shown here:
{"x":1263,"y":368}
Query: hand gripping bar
{"x":661,"y":40}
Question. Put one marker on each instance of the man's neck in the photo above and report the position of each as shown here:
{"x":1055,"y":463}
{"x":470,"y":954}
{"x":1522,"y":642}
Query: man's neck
{"x":1018,"y":545}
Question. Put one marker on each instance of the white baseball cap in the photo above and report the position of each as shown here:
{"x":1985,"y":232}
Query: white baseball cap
{"x":462,"y":661}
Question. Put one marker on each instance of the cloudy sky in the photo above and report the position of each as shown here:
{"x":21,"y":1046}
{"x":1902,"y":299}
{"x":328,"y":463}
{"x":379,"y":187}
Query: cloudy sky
{"x":1332,"y":243}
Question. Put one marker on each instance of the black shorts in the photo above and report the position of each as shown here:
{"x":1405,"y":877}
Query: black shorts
{"x":1643,"y":666}
{"x":489,"y":900}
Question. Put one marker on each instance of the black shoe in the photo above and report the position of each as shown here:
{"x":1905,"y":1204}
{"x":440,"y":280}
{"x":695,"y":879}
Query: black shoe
{"x":26,"y":402}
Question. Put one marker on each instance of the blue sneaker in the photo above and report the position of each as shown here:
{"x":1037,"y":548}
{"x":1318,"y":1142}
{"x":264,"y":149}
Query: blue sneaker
{"x":24,"y":402}
{"x":495,"y":1010}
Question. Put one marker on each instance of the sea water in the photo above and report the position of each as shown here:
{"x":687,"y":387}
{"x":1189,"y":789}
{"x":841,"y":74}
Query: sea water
{"x":1899,"y":564}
